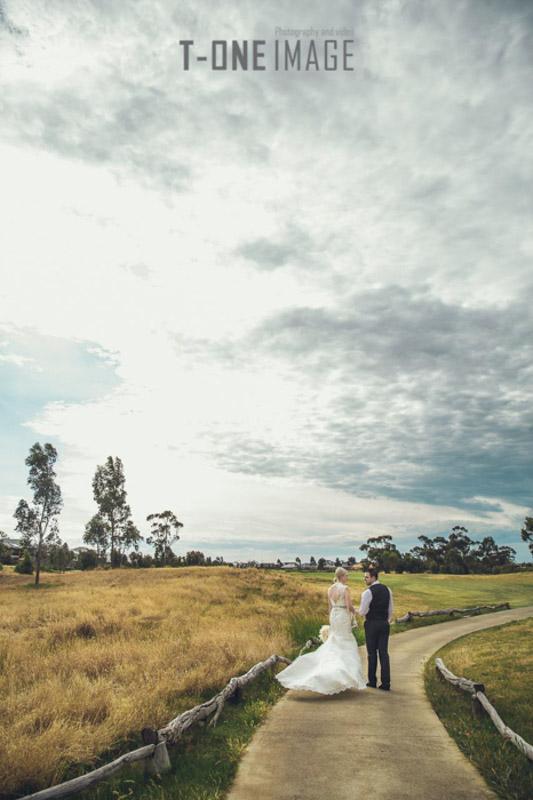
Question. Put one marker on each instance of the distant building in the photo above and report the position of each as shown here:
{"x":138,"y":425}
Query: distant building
{"x":14,"y":546}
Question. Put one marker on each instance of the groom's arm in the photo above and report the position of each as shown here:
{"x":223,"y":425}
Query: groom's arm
{"x":366,"y":598}
{"x":391,"y":605}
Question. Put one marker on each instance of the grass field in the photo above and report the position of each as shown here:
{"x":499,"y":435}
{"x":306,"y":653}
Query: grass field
{"x":90,"y":658}
{"x":501,"y":659}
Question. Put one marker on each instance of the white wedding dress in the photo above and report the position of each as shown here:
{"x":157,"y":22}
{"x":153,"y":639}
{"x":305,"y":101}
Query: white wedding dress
{"x":336,"y":665}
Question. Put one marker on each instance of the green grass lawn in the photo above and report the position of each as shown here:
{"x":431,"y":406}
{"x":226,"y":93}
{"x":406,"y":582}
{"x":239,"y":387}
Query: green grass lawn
{"x":502,"y":659}
{"x":425,"y":592}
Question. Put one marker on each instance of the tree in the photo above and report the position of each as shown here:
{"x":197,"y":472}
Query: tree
{"x":298,"y":562}
{"x":195,"y":558}
{"x":60,"y":556}
{"x":453,"y":555}
{"x":138,"y":559}
{"x":321,"y":564}
{"x":351,"y":561}
{"x":375,"y":548}
{"x":38,"y":523}
{"x":130,"y":538}
{"x":5,"y":554}
{"x":412,"y":564}
{"x":491,"y":557}
{"x":25,"y":565}
{"x":527,"y":533}
{"x":87,"y":559}
{"x":432,"y":551}
{"x":391,"y":560}
{"x":97,"y":535}
{"x":312,"y":561}
{"x":110,"y":496}
{"x":164,"y":532}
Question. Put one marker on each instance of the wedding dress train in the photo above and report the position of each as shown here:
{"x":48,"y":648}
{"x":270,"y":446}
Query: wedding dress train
{"x":336,"y":665}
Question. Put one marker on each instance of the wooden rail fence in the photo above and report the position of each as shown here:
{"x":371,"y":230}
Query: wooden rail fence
{"x":449,"y":612}
{"x":155,"y":751}
{"x":480,"y":703}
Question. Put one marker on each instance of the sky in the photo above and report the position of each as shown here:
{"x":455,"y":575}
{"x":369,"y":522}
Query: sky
{"x":295,"y":303}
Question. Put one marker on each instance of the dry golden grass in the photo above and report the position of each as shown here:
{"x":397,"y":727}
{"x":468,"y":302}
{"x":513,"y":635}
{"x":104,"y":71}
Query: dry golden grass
{"x":86,"y":662}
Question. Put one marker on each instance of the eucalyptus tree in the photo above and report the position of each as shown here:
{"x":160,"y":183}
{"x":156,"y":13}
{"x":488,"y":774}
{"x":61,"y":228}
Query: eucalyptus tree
{"x":37,"y":523}
{"x":527,"y":533}
{"x":110,"y":496}
{"x":97,"y":535}
{"x":165,"y":527}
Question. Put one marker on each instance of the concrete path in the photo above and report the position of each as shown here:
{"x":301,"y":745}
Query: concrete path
{"x":368,"y":744}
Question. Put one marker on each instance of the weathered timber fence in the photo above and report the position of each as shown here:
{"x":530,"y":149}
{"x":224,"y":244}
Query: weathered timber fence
{"x":449,"y":612}
{"x":481,"y":703}
{"x":155,"y":750}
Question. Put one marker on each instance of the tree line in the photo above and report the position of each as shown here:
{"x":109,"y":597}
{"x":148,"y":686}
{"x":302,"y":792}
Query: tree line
{"x":112,"y":531}
{"x":456,"y":554}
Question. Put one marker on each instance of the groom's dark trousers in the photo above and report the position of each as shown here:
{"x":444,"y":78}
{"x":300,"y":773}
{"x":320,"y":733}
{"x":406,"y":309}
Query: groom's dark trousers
{"x":377,"y":641}
{"x":377,"y":634}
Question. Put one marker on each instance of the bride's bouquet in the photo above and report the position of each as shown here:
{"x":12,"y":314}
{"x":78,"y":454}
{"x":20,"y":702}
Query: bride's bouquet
{"x":324,"y":633}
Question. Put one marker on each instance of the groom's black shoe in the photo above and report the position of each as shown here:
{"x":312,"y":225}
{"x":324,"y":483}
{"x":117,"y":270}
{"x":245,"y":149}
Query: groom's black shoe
{"x":385,"y":688}
{"x":371,"y":685}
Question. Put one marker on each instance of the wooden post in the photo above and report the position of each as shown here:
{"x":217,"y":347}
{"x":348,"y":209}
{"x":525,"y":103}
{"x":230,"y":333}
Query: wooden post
{"x":159,"y":762}
{"x":236,"y":697}
{"x":477,"y":708}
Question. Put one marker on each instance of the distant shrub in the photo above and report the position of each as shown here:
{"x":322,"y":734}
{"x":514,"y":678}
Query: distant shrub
{"x":25,"y":565}
{"x":5,"y":555}
{"x":87,"y":560}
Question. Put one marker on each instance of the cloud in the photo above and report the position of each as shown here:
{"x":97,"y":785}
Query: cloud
{"x":318,"y":281}
{"x":292,"y":246}
{"x":399,"y":393}
{"x":7,"y":25}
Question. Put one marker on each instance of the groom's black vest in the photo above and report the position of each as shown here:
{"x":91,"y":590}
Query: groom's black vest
{"x":379,"y":605}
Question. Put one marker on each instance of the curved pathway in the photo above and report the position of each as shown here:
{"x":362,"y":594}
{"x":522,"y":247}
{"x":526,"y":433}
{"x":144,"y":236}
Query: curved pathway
{"x":368,"y":744}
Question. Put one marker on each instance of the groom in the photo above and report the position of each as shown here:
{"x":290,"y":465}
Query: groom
{"x":378,"y":608}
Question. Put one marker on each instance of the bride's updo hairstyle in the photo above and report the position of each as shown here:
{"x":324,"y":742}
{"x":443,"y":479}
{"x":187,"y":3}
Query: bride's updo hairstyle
{"x":340,"y":572}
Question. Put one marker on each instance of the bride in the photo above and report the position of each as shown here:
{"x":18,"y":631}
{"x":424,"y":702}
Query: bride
{"x":336,"y":665}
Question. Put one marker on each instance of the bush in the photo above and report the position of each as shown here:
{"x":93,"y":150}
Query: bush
{"x":5,"y":555}
{"x":141,"y":560}
{"x":87,"y":560}
{"x":25,"y":565}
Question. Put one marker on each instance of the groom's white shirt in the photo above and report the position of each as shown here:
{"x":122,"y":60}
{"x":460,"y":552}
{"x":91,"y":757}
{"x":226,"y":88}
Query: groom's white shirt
{"x":366,"y":599}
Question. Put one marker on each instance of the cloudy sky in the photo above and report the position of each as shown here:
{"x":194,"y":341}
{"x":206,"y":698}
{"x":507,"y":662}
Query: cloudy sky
{"x":297,"y":304}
